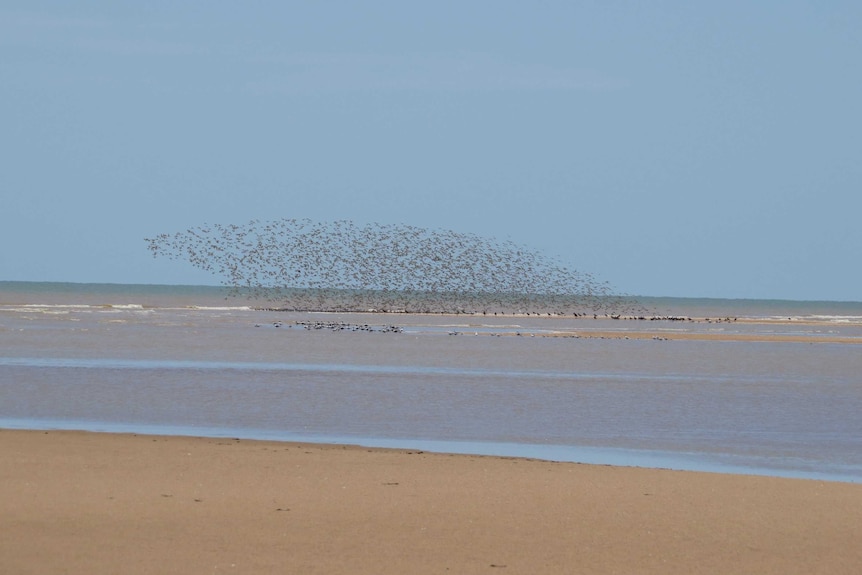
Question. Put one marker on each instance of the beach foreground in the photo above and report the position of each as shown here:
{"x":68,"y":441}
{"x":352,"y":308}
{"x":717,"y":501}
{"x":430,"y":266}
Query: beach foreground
{"x":78,"y":502}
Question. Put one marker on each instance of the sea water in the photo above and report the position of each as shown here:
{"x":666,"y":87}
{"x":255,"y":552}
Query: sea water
{"x":190,"y":360}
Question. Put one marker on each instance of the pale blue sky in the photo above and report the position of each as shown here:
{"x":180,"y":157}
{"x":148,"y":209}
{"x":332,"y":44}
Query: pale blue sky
{"x":671,"y":148}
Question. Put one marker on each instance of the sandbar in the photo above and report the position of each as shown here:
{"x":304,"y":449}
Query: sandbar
{"x":79,"y":502}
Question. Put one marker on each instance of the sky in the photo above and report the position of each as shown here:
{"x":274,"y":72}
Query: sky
{"x":688,"y":149}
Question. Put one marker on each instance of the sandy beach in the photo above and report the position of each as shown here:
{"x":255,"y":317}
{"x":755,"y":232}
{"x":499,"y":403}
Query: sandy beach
{"x":77,"y":502}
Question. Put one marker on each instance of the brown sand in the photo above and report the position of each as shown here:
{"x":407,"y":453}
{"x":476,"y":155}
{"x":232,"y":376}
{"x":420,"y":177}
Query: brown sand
{"x":74,"y":502}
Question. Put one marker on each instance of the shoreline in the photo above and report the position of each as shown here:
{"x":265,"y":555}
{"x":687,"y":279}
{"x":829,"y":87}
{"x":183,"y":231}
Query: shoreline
{"x":621,"y":457}
{"x":682,"y":329}
{"x":82,"y":502}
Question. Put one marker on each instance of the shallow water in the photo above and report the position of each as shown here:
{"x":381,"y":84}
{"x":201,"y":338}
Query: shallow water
{"x":142,"y":359}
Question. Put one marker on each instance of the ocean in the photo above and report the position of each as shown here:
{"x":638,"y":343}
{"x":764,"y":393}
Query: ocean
{"x":737,"y":386}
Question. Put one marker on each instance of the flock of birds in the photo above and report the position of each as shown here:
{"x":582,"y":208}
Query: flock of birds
{"x":343,"y":326}
{"x":342,"y":266}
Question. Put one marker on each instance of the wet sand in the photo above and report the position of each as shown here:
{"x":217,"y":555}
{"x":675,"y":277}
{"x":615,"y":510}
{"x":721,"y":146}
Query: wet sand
{"x":699,"y":328}
{"x":701,"y":336}
{"x":77,"y":502}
